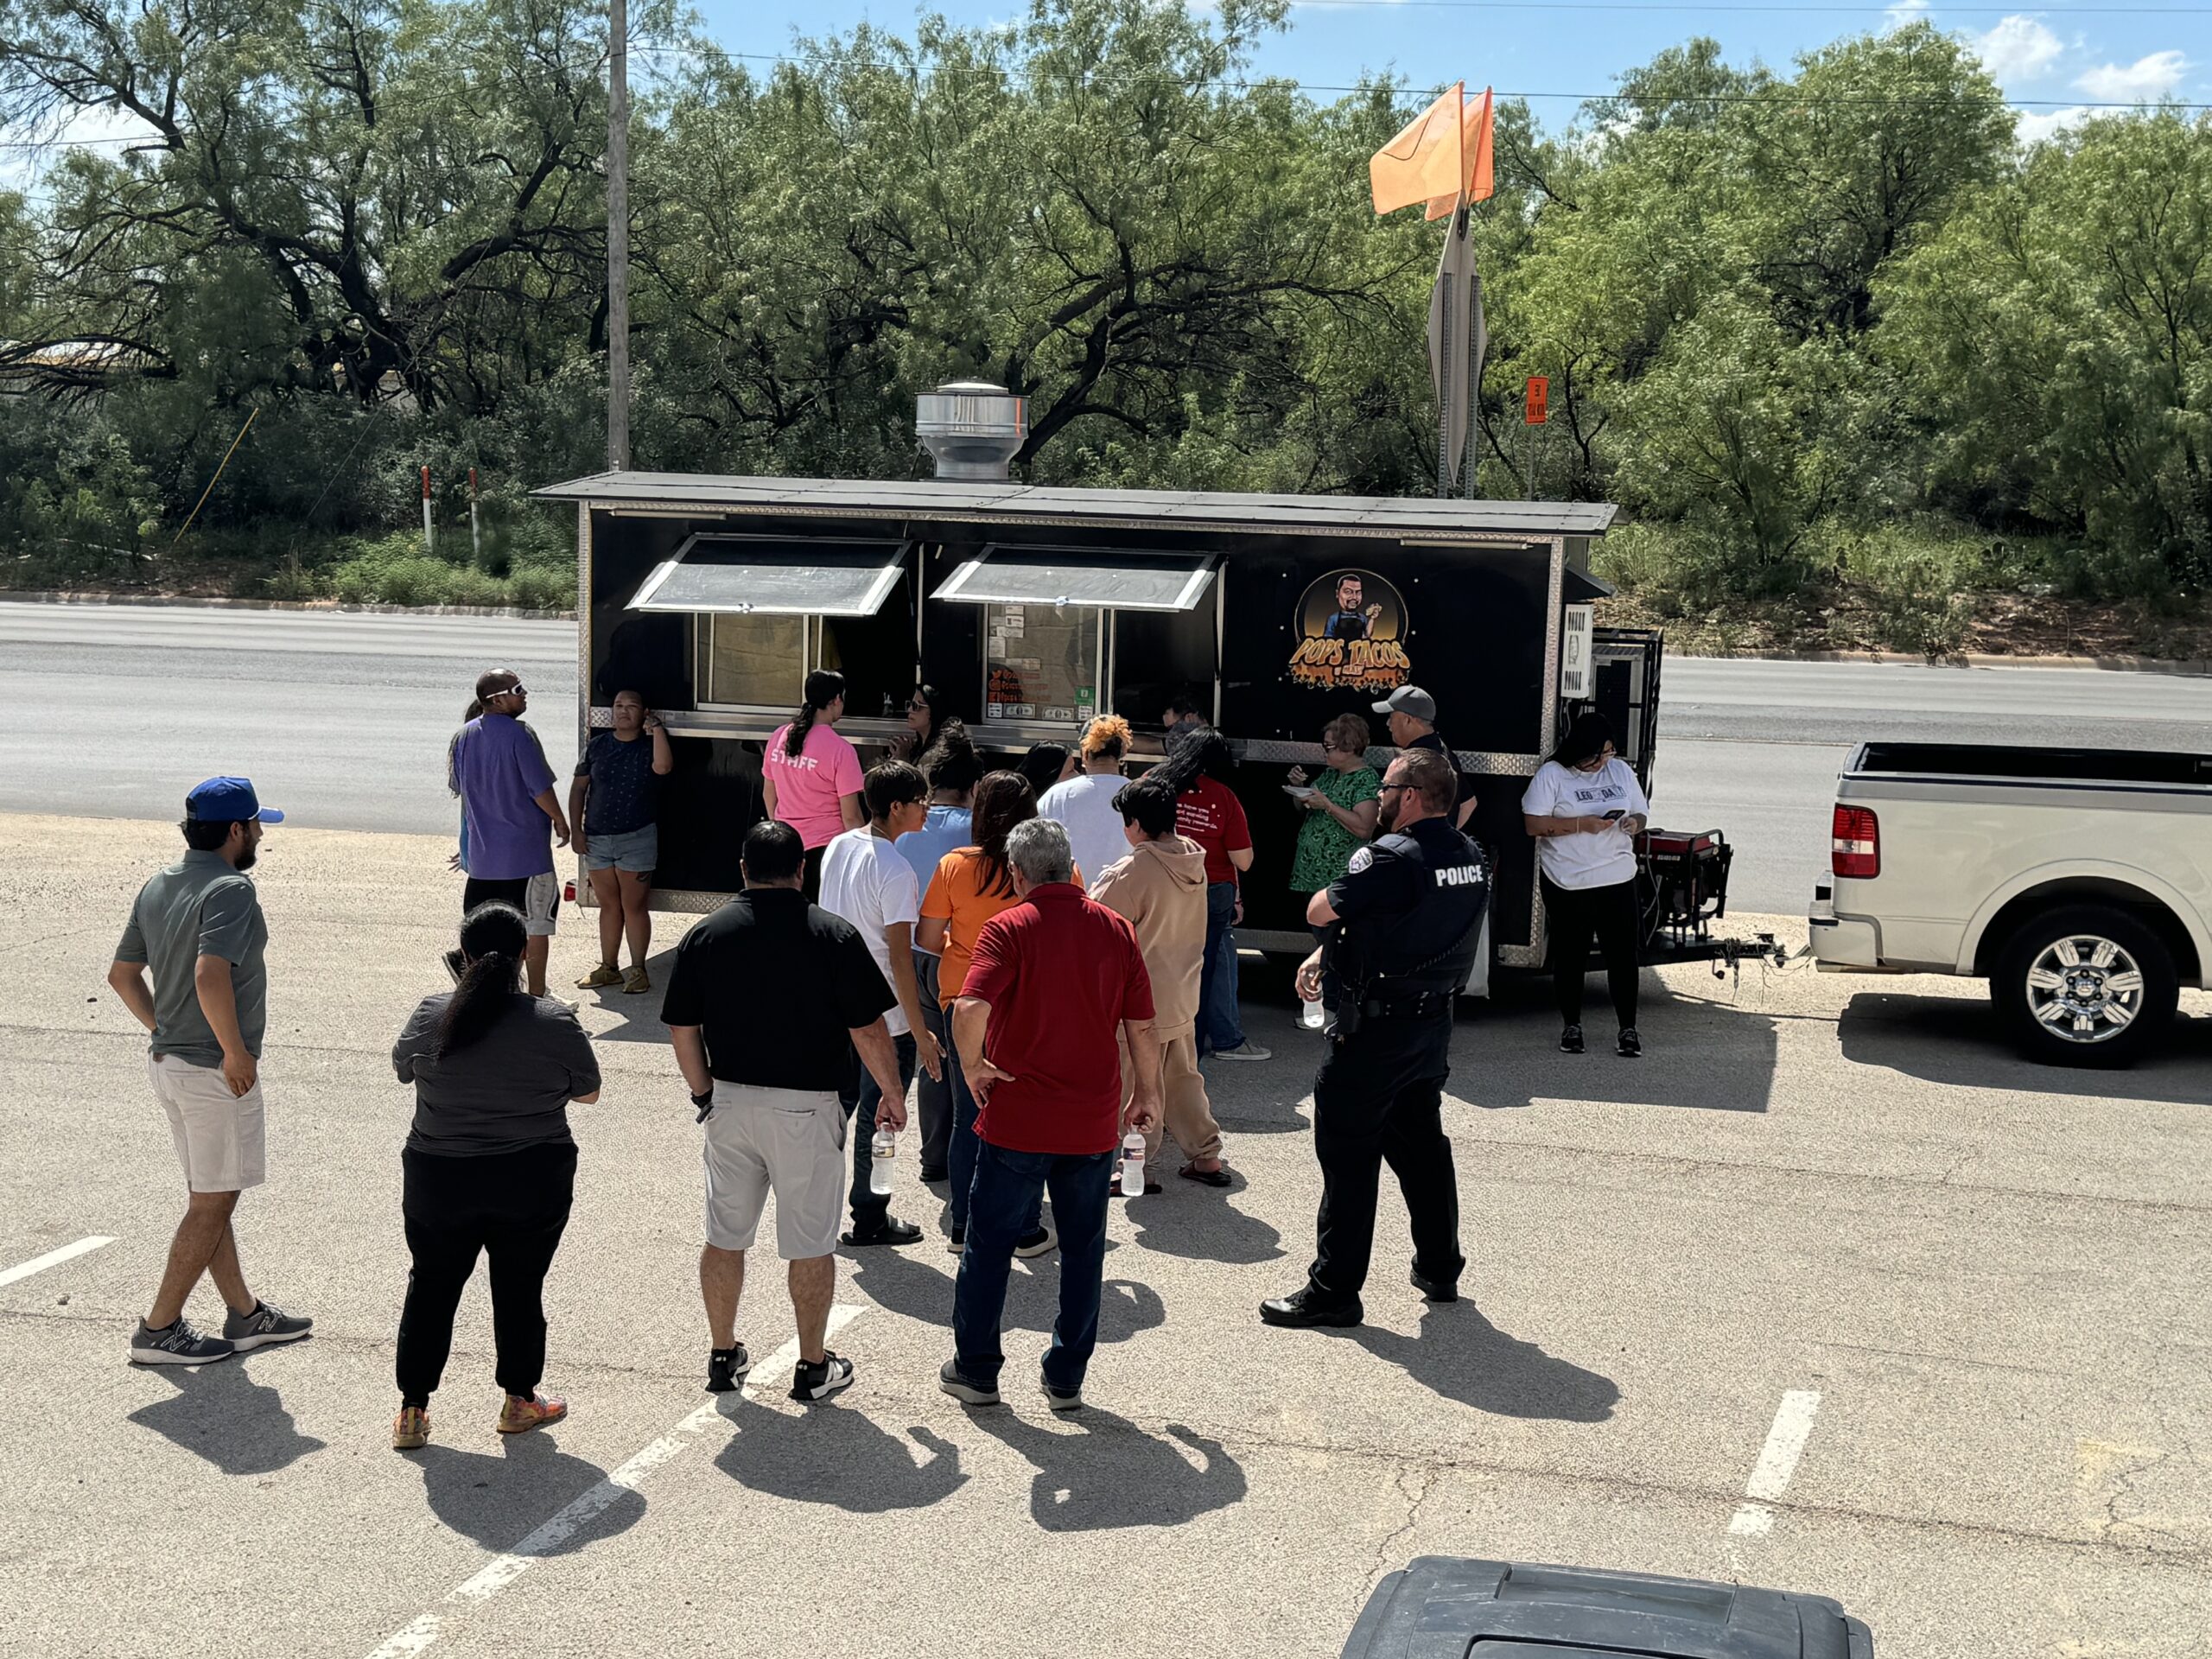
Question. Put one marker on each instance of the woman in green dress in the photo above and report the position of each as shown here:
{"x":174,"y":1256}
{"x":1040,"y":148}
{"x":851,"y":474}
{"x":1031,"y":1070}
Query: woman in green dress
{"x":1339,"y":817}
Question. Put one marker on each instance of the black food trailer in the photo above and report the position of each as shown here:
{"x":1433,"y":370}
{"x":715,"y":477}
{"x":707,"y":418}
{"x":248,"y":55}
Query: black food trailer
{"x":1031,"y":609}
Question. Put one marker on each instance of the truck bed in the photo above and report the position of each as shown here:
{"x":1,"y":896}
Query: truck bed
{"x":2051,"y":768}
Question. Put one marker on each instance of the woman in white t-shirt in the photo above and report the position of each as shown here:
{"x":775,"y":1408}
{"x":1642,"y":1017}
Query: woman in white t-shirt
{"x":1084,"y":805}
{"x":1585,"y":810}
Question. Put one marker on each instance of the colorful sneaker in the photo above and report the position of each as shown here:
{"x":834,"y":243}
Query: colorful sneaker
{"x":178,"y":1344}
{"x":725,"y":1369}
{"x":818,"y":1379}
{"x":517,"y":1416}
{"x":265,"y":1325}
{"x":636,"y":982}
{"x":411,"y":1430}
{"x":606,"y":974}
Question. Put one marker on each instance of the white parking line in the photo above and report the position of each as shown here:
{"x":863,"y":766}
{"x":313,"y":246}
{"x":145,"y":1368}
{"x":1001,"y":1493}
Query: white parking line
{"x":54,"y":1258}
{"x":1785,"y":1444}
{"x":503,"y":1570}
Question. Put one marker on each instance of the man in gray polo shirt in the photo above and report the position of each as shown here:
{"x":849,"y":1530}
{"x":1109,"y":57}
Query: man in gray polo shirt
{"x":198,"y":924}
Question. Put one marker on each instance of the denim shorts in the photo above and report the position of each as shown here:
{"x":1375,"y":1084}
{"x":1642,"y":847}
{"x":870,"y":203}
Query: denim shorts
{"x":635,"y":850}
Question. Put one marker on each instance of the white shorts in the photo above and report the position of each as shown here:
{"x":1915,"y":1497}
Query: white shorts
{"x":217,"y":1135}
{"x":789,"y":1141}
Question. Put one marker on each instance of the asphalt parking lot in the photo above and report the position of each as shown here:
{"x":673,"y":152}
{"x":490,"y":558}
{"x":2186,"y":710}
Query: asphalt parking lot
{"x":1828,"y":1292}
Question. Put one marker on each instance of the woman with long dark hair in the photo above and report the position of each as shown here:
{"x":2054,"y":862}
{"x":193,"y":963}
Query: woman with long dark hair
{"x":971,"y":884}
{"x":810,"y":777}
{"x":1207,"y":810}
{"x":926,"y":715}
{"x":1045,"y":765}
{"x":1585,"y":810}
{"x":489,"y":1166}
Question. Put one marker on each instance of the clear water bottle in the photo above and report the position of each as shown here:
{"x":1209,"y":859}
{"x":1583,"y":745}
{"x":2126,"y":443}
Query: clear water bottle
{"x":882,"y":1150}
{"x":1132,"y":1164}
{"x":1311,"y":1016}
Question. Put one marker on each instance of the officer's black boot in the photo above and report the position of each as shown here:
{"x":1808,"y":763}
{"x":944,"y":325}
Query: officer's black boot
{"x":1305,"y":1307}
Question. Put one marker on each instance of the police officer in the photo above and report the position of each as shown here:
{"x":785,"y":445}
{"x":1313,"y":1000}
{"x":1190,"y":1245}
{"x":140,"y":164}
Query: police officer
{"x":1408,"y":920}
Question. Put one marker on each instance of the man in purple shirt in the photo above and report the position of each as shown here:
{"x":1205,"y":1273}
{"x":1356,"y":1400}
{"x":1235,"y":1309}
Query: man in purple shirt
{"x":507,"y":805}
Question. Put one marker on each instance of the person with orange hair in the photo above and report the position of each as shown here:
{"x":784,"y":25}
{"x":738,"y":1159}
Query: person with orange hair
{"x":1084,"y":805}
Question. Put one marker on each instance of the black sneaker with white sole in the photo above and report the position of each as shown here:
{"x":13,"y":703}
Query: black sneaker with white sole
{"x":1570,"y":1041}
{"x":264,"y":1326}
{"x":968,"y":1394}
{"x":1035,"y":1243}
{"x":725,"y":1369}
{"x":1630,"y":1045}
{"x":176,"y":1345}
{"x":819,"y":1379}
{"x":1061,"y":1399}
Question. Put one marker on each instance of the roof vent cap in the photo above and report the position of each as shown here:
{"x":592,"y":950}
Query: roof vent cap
{"x":971,"y":427}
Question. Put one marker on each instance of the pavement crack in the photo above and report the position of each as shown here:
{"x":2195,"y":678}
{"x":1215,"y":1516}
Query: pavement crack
{"x":1414,"y":1482}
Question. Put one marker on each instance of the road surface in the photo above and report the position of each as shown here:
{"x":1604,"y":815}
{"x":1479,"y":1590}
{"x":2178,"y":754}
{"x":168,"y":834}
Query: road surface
{"x":341,"y":720}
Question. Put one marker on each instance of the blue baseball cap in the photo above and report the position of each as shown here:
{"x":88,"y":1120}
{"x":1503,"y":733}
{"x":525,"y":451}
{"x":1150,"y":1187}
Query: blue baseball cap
{"x":228,"y":800}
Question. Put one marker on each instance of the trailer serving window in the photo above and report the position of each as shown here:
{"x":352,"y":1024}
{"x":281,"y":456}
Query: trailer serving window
{"x":1046,"y":620}
{"x":763,"y":607}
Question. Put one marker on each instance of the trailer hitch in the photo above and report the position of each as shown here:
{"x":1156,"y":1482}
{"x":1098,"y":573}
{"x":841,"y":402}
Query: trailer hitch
{"x":1729,"y":955}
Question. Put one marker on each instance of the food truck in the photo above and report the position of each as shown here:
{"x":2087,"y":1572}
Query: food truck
{"x":1031,"y":609}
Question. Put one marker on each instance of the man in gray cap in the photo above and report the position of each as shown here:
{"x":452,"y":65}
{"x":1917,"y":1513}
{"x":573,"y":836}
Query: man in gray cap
{"x":1411,"y":714}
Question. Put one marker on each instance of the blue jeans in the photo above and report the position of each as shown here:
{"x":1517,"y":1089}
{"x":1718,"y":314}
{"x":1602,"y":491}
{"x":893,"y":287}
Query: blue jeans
{"x":1010,"y":1186}
{"x":1219,"y":1025}
{"x":861,"y":1097}
{"x":966,"y":1145}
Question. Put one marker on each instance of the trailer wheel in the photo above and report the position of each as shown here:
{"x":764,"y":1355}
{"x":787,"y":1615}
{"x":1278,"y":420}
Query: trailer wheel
{"x":2086,"y":985}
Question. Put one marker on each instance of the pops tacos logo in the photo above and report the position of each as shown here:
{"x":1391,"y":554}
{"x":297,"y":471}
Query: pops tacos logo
{"x":1351,"y":628}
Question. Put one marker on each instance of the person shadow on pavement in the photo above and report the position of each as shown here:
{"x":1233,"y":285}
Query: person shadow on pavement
{"x":497,"y":1501}
{"x":837,"y":1456}
{"x":1110,"y":1473}
{"x":219,"y":1413}
{"x":1200,"y":1227}
{"x":1462,"y":1356}
{"x":908,"y":1282}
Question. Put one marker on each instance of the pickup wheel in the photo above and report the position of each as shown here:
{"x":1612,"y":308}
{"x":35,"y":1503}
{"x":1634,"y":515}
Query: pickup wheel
{"x":2085,"y":985}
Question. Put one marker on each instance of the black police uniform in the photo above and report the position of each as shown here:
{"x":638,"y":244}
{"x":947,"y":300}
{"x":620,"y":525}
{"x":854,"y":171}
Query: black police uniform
{"x":1411,"y":907}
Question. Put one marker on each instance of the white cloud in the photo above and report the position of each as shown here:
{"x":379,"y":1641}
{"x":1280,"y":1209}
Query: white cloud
{"x":2144,"y":81}
{"x":2019,"y":49}
{"x":1904,"y":12}
{"x":2035,"y":125}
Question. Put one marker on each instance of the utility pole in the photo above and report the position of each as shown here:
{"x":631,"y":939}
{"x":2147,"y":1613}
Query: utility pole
{"x":617,"y":235}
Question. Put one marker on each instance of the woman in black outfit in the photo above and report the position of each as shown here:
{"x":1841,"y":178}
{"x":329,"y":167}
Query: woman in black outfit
{"x":489,"y":1166}
{"x":1585,"y":808}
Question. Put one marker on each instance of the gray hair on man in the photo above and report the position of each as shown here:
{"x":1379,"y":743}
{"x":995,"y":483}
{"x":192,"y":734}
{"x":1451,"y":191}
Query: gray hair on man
{"x":1037,"y":849}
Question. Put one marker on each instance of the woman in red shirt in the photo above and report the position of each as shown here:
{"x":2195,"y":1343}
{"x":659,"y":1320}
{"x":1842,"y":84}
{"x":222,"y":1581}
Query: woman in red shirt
{"x":1208,"y":811}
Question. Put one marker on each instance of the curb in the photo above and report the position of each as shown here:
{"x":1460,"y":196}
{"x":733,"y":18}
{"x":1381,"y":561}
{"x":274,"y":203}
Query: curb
{"x":335,"y":607}
{"x":2190,"y":667}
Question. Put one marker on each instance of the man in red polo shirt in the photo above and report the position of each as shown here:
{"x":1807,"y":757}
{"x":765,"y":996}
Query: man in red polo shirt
{"x":1052,"y":983}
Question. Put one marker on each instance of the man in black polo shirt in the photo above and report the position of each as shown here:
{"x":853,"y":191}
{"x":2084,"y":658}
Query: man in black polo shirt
{"x":764,"y":995}
{"x":1412,"y":718}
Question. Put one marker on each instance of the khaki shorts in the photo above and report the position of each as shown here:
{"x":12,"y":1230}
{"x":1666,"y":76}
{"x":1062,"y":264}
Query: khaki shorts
{"x":789,"y":1141}
{"x":219,"y":1136}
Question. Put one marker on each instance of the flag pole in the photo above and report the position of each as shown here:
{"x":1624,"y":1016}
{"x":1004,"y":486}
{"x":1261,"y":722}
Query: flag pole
{"x":1443,"y":397}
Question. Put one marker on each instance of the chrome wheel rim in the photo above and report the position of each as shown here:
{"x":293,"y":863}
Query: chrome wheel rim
{"x":2085,"y":988}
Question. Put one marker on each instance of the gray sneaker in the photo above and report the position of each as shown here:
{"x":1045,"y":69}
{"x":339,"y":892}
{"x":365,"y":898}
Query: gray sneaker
{"x":180,"y":1344}
{"x":1061,"y":1399}
{"x":263,"y":1326}
{"x":1247,"y":1050}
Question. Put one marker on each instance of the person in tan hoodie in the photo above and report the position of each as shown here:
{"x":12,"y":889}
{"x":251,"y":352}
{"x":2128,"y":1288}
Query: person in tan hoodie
{"x":1160,"y":890}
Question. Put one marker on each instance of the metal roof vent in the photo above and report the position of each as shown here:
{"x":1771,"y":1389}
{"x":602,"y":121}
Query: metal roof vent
{"x":972,"y":427}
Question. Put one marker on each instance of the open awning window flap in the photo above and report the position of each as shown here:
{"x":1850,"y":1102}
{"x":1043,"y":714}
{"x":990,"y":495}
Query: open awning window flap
{"x":1091,"y":577}
{"x":768,"y":576}
{"x":1579,"y":589}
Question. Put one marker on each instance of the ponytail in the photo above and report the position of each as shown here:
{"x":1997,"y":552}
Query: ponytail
{"x":824,"y":687}
{"x":493,"y":938}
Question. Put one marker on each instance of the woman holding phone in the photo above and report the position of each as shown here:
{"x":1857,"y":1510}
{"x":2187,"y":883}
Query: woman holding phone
{"x":1585,"y":810}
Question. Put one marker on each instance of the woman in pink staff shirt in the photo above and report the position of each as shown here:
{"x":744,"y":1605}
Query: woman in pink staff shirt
{"x":810,"y":777}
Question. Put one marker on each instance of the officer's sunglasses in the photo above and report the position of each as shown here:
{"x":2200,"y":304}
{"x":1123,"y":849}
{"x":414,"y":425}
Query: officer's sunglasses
{"x":1386,"y":788}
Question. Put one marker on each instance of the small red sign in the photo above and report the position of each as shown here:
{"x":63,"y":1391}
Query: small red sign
{"x":1537,"y":401}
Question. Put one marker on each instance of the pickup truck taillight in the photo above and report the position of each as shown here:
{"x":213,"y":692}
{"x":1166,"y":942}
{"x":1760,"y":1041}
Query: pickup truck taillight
{"x":1856,"y":850}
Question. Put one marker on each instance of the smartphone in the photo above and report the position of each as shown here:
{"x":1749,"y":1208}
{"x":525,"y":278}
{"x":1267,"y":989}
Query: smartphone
{"x":1616,"y":814}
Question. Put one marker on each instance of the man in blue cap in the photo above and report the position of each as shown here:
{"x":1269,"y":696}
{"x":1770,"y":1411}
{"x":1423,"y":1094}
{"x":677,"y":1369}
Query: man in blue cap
{"x":198,"y":924}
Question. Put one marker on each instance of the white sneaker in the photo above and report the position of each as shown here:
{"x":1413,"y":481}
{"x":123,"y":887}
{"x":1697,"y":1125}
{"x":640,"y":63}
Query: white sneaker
{"x":1248,"y":1050}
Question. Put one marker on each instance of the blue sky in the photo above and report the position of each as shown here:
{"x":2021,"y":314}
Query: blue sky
{"x":2053,"y":62}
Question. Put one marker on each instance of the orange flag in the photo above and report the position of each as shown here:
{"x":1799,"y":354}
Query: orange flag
{"x":1443,"y":152}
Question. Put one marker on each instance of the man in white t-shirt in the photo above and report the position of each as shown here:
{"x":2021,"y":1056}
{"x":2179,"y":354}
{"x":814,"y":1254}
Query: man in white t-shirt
{"x":868,"y":883}
{"x":1084,"y":805}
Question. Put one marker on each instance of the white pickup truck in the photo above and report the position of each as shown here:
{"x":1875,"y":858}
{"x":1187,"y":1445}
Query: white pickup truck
{"x":2077,"y":882}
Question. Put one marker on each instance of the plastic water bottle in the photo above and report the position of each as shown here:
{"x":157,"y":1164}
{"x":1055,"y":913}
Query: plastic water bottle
{"x":1132,"y":1164}
{"x":883,"y":1149}
{"x":1311,"y":1015}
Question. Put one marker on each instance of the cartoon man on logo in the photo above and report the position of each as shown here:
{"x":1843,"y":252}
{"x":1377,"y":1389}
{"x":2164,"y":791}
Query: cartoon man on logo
{"x":1349,"y":621}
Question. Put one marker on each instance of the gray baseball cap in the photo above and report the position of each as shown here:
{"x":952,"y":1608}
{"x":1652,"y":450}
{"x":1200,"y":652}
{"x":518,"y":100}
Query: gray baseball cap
{"x":1408,"y":700}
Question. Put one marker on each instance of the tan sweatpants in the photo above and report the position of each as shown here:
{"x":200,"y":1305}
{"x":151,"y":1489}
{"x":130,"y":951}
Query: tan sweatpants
{"x":1187,"y":1114}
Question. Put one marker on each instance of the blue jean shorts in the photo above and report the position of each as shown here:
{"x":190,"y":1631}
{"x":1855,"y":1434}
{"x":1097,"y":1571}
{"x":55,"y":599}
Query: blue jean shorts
{"x":635,"y":850}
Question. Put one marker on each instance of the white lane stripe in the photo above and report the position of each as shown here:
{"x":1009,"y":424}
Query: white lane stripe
{"x":1785,"y":1444}
{"x":54,"y":1258}
{"x":503,"y":1570}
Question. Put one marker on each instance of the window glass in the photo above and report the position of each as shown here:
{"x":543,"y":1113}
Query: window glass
{"x":758,"y":661}
{"x":1040,"y":661}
